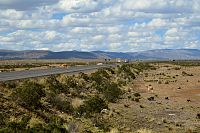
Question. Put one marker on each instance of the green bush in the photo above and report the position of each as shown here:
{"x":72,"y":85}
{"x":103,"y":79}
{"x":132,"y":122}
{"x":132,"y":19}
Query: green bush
{"x":137,"y":94}
{"x":151,"y":99}
{"x":198,"y":116}
{"x":137,"y":99}
{"x":29,"y":93}
{"x":71,"y":82}
{"x":75,"y":87}
{"x":9,"y":84}
{"x":111,"y":91}
{"x":101,"y":122}
{"x":16,"y":127}
{"x":55,"y":86}
{"x":110,"y":70}
{"x":126,"y":69}
{"x":56,"y":125}
{"x":84,"y":76}
{"x":100,"y":76}
{"x":92,"y":105}
{"x":59,"y":103}
{"x":2,"y":119}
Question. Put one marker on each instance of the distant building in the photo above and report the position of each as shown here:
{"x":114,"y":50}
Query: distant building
{"x":64,"y":65}
{"x":126,"y":60}
{"x":99,"y":64}
{"x":119,"y":60}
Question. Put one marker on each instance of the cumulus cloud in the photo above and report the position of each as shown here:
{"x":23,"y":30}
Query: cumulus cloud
{"x":111,"y":25}
{"x":24,"y":4}
{"x":82,"y":6}
{"x":163,"y":6}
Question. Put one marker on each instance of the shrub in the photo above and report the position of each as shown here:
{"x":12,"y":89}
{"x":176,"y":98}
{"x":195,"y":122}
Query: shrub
{"x":144,"y":131}
{"x":92,"y":105}
{"x":186,"y":74}
{"x":111,"y":91}
{"x":59,"y":103}
{"x":151,"y":99}
{"x":55,"y":86}
{"x":84,"y":76}
{"x":56,"y":125}
{"x":143,"y":66}
{"x":136,"y":99}
{"x":103,"y":73}
{"x":16,"y":127}
{"x":110,"y":70}
{"x":9,"y":84}
{"x":75,"y":86}
{"x":198,"y":116}
{"x":121,"y":83}
{"x":126,"y":69}
{"x":71,"y":82}
{"x":101,"y":122}
{"x":2,"y":119}
{"x":100,"y":76}
{"x":137,"y":94}
{"x":29,"y":93}
{"x":166,"y":82}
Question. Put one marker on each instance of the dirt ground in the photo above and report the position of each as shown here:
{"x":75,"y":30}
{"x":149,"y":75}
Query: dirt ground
{"x":172,"y":105}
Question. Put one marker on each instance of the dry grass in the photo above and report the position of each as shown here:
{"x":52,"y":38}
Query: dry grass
{"x":35,"y":121}
{"x":114,"y":130}
{"x":77,"y":102}
{"x":144,"y":131}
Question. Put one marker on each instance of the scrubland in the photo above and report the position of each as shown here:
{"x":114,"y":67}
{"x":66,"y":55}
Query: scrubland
{"x":140,"y":97}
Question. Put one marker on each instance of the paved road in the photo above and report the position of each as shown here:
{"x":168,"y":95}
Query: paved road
{"x":16,"y":75}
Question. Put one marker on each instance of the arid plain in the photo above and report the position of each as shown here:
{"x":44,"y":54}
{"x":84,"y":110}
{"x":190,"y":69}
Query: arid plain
{"x":137,"y":97}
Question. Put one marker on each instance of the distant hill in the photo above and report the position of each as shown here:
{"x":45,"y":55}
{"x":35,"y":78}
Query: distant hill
{"x":168,"y":54}
{"x":158,"y":54}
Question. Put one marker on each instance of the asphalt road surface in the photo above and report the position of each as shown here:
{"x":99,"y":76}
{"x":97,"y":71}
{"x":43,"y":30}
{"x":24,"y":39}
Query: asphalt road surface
{"x":17,"y":75}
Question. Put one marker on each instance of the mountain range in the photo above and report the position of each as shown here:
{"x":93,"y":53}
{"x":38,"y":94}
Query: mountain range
{"x":157,"y":54}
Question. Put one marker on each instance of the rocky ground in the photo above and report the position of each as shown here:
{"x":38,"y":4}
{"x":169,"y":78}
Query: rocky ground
{"x":172,"y":105}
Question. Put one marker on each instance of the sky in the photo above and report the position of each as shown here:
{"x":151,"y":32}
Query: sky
{"x":106,"y":25}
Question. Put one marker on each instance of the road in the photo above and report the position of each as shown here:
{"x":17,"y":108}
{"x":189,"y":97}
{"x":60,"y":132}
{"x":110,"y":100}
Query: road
{"x":17,"y":75}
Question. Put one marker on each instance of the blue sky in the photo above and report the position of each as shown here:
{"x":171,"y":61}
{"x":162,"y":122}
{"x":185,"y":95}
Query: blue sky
{"x":109,"y":25}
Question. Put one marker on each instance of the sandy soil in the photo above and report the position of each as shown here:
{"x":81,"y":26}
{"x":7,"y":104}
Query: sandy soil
{"x":175,"y":105}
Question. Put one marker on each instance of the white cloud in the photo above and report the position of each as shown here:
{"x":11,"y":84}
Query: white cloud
{"x":98,"y":38}
{"x":82,"y":6}
{"x":162,"y":6}
{"x":157,"y":22}
{"x":117,"y":25}
{"x":24,"y":4}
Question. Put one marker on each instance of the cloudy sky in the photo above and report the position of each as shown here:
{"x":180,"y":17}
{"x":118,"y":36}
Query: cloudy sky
{"x":108,"y":25}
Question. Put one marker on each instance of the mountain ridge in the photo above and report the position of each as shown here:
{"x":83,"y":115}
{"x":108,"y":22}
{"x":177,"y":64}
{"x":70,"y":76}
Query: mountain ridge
{"x":156,"y":54}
